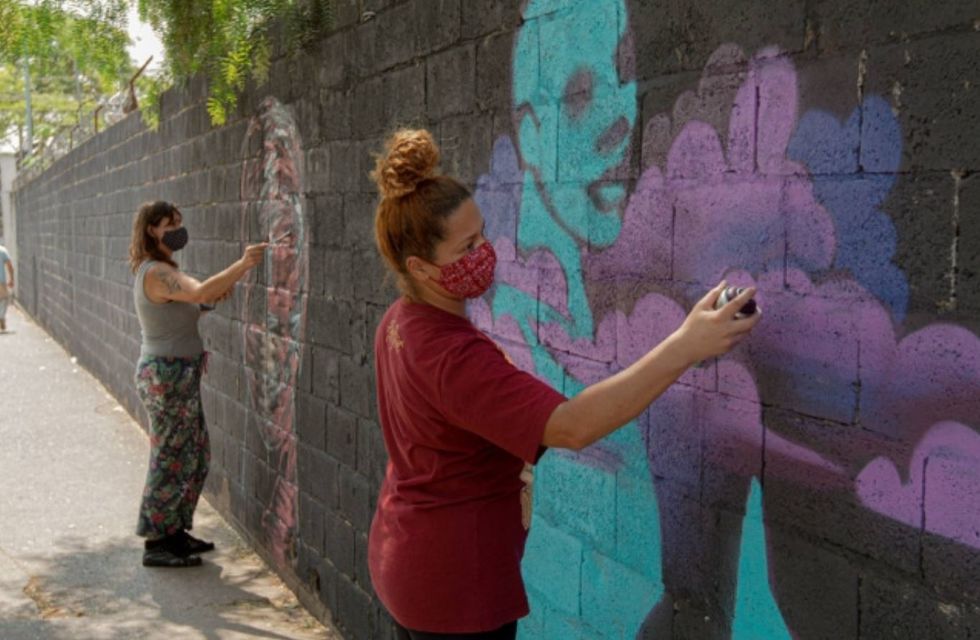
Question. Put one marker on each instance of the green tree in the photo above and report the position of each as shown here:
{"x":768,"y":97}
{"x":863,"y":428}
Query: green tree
{"x":68,"y":54}
{"x":228,"y":41}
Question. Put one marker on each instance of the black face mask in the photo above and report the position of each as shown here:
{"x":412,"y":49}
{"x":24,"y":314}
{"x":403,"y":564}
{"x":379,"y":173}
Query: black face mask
{"x":175,"y":239}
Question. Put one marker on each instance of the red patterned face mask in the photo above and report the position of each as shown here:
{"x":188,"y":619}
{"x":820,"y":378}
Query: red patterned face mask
{"x":471,"y":275}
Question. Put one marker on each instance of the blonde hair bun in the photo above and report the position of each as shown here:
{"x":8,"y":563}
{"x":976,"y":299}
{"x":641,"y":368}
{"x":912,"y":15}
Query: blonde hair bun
{"x":410,"y":156}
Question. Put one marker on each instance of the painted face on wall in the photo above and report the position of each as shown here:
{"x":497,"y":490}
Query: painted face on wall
{"x":275,"y":309}
{"x":575,"y":105}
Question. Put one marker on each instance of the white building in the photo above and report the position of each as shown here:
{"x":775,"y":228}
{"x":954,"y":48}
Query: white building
{"x":8,"y":235}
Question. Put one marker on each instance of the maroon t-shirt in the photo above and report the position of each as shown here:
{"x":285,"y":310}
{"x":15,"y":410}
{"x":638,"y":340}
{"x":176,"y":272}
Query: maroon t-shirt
{"x":459,"y":421}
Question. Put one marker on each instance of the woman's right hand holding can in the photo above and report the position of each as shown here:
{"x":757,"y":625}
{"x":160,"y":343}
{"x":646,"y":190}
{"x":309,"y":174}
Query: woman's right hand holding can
{"x":708,"y":332}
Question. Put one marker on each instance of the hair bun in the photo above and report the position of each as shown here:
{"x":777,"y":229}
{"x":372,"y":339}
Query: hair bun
{"x":410,"y":156}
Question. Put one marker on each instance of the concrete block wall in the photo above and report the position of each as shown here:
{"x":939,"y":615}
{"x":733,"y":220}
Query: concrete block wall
{"x":821,"y":481}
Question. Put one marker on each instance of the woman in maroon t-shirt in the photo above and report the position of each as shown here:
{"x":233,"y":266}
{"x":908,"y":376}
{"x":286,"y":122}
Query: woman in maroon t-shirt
{"x":460,"y":421}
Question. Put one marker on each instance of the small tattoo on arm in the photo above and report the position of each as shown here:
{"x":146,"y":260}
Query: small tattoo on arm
{"x":170,"y":282}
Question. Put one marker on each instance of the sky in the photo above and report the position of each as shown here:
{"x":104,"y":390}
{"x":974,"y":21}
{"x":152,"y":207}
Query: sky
{"x":145,"y":42}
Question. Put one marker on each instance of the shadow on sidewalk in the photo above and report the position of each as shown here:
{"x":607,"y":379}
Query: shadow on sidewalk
{"x":83,"y":590}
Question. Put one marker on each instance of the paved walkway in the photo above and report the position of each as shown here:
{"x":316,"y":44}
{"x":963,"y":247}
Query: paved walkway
{"x":72,"y":464}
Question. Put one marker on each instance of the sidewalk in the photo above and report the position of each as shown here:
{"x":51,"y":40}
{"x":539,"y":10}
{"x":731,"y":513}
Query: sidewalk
{"x":72,"y":464}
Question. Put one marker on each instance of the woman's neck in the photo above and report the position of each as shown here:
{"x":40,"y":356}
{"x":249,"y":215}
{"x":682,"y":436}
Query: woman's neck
{"x":454,"y":306}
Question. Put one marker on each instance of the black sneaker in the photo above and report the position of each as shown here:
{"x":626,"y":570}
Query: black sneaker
{"x":191,"y":544}
{"x":164,"y":557}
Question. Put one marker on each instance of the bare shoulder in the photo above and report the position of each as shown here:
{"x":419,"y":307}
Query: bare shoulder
{"x":159,"y":268}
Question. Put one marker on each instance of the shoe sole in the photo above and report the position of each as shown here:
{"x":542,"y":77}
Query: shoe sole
{"x":189,"y":561}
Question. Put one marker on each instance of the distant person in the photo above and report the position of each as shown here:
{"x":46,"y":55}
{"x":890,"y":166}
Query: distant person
{"x":6,"y":285}
{"x":460,"y":421}
{"x":168,"y":379}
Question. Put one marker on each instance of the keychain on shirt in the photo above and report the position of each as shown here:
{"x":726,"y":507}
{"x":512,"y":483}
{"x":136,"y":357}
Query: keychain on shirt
{"x":527,"y":495}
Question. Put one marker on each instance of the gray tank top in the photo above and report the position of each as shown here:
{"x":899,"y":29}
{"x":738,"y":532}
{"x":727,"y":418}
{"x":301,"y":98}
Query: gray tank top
{"x":168,"y":328}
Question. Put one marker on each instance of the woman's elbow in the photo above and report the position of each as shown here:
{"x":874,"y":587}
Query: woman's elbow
{"x":576,"y":443}
{"x":197,"y":296}
{"x":564,"y":441}
{"x":564,"y":432}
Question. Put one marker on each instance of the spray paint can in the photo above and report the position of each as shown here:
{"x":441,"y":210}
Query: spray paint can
{"x":731,"y":293}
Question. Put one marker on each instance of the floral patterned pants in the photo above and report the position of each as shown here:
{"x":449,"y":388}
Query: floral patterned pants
{"x":170,"y":389}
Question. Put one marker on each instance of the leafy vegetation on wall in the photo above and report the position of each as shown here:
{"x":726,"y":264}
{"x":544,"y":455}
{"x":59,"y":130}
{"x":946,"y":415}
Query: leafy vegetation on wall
{"x":74,"y":54}
{"x":227,"y":40}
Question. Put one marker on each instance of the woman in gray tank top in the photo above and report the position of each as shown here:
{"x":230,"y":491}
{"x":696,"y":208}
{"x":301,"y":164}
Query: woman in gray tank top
{"x":168,"y":379}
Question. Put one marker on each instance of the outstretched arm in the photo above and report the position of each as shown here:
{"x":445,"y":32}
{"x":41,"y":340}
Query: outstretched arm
{"x":164,"y":283}
{"x":611,"y":403}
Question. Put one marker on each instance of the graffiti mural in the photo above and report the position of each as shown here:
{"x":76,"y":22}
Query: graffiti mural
{"x":574,"y":117}
{"x":735,"y":184}
{"x":275,"y":307}
{"x":866,"y":237}
{"x":941,"y":499}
